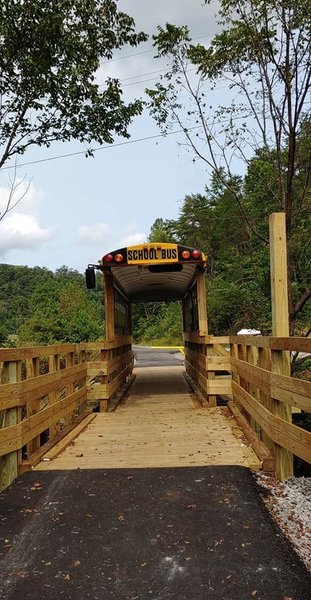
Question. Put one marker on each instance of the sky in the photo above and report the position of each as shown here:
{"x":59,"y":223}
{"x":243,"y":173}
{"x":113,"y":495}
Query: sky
{"x":76,"y":209}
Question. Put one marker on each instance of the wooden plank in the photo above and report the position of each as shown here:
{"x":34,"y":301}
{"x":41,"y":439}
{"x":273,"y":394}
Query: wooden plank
{"x":69,"y":438}
{"x":35,"y":458}
{"x":152,"y":431}
{"x":292,"y":398}
{"x":10,"y":440}
{"x":214,"y":387}
{"x":9,"y":460}
{"x":38,"y":387}
{"x":97,"y":391}
{"x":10,"y":395}
{"x":51,"y":414}
{"x":290,"y":437}
{"x":293,"y":344}
{"x":109,"y":306}
{"x":292,"y":384}
{"x":250,"y":340}
{"x":280,"y":362}
{"x":14,"y":354}
{"x":210,"y":362}
{"x":195,"y":338}
{"x":117,"y":342}
{"x":255,"y":375}
{"x":201,"y":291}
{"x":276,"y":385}
{"x":263,"y":453}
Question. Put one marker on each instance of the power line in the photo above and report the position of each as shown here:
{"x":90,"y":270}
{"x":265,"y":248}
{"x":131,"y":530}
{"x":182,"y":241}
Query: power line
{"x":128,"y":142}
{"x":200,"y":37}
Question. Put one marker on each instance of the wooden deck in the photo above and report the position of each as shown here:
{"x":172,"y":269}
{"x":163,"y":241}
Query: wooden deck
{"x":159,"y":425}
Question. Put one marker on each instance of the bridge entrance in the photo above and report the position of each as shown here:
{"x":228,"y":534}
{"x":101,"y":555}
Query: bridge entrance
{"x":165,"y":272}
{"x":162,"y":422}
{"x":46,"y":392}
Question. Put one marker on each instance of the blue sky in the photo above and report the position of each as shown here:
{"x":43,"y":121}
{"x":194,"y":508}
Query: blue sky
{"x":76,"y":209}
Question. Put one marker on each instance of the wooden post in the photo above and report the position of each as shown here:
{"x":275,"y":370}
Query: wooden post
{"x":32,"y":406}
{"x":280,"y":361}
{"x":54,"y":366}
{"x":201,"y":292}
{"x":109,"y":306}
{"x":9,"y":462}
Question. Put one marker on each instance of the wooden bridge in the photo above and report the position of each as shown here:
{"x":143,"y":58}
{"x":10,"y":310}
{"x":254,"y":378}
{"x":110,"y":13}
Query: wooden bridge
{"x":48,"y":394}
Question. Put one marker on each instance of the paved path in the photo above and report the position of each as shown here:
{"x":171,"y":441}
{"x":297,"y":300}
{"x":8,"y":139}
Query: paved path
{"x":144,"y":534}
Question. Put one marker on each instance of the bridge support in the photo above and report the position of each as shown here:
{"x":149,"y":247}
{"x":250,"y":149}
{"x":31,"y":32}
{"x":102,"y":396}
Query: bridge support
{"x":280,"y":360}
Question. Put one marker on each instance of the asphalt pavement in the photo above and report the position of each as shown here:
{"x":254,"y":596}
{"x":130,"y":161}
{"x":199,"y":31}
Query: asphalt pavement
{"x":148,"y":356}
{"x":199,"y":533}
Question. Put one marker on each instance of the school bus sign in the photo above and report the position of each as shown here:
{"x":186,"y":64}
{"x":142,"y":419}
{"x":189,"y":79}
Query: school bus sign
{"x":165,"y":253}
{"x":152,"y":254}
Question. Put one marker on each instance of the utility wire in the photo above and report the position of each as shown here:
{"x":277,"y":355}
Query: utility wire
{"x":109,"y":146}
{"x":143,"y":139}
{"x":200,"y":37}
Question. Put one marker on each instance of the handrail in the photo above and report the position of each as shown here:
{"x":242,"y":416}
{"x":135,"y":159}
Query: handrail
{"x":262,"y":388}
{"x":46,"y":390}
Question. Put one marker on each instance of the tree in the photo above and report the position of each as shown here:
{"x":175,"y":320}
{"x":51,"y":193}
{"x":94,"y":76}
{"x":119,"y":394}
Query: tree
{"x":159,"y":232}
{"x":263,"y":57}
{"x":47,"y":86}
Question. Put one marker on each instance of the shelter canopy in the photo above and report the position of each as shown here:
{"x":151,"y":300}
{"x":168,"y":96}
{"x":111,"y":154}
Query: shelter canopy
{"x":154,"y":271}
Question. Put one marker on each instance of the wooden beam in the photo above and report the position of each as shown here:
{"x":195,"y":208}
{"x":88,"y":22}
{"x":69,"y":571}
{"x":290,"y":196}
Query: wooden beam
{"x":263,"y":453}
{"x":201,"y":291}
{"x":280,"y":360}
{"x":9,"y":462}
{"x":109,"y":306}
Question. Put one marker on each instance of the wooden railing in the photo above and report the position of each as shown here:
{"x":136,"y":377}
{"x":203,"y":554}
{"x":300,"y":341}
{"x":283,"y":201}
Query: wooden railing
{"x":46,"y":391}
{"x":207,"y":363}
{"x":265,"y":393}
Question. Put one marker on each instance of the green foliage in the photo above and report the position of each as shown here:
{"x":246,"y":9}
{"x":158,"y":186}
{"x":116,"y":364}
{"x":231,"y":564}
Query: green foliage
{"x":262,"y":57}
{"x":238,"y":263}
{"x":160,"y":232}
{"x":44,"y":307}
{"x":47,"y":83}
{"x":158,"y":322}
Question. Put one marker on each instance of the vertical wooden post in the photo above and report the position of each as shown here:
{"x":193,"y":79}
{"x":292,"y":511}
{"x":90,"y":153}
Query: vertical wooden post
{"x":280,"y":361}
{"x":201,"y":292}
{"x":264,"y":357}
{"x":32,"y":406}
{"x":9,"y":462}
{"x":54,"y":366}
{"x":109,"y":306}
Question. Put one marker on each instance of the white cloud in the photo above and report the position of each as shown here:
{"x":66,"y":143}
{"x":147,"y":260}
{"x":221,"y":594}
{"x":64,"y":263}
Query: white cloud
{"x":92,"y":235}
{"x":104,"y":238}
{"x":132,"y":239}
{"x":20,"y":228}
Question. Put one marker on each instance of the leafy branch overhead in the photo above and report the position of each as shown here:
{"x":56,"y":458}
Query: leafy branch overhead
{"x":243,"y":102}
{"x":49,"y":55}
{"x":261,"y":59}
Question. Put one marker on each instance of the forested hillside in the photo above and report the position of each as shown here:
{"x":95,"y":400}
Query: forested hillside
{"x":42,"y":307}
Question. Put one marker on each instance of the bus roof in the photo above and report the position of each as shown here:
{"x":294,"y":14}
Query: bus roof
{"x":154,"y":271}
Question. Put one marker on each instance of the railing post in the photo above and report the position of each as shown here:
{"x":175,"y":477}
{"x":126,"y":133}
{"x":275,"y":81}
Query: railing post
{"x":202,"y":309}
{"x":9,"y":463}
{"x":109,"y":307}
{"x":32,"y":406}
{"x":280,"y":361}
{"x":54,"y":367}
